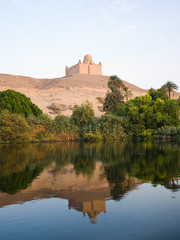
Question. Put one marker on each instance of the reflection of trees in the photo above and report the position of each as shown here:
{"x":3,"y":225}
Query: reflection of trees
{"x":119,"y":182}
{"x":20,"y":165}
{"x":84,"y":161}
{"x":20,"y":180}
{"x":157,"y":163}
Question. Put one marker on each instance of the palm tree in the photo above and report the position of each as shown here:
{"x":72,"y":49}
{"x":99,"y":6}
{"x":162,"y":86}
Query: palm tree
{"x":128,"y":93}
{"x":115,"y":96}
{"x":115,"y":83}
{"x":169,"y":87}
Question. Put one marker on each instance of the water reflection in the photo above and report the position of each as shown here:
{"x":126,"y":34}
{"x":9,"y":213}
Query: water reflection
{"x":86,"y":175}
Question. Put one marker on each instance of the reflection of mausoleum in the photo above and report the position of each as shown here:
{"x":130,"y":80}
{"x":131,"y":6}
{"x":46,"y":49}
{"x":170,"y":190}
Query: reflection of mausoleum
{"x":92,"y":208}
{"x":83,"y":194}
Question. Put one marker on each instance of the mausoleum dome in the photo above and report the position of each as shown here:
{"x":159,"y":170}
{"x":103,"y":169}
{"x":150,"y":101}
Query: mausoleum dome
{"x":88,"y":59}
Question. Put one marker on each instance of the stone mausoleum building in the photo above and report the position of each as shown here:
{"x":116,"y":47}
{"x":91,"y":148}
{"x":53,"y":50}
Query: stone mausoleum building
{"x":85,"y":67}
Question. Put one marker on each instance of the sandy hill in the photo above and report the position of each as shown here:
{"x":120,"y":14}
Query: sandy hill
{"x":63,"y":92}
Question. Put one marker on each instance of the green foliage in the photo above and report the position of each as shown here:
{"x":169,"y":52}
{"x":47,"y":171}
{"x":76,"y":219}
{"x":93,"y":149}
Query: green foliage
{"x":127,"y":92}
{"x":83,"y":115}
{"x":41,"y":127}
{"x":13,"y":128}
{"x":169,"y":87}
{"x":171,"y":108}
{"x":168,"y":132}
{"x":136,"y":130}
{"x":112,"y":100}
{"x":116,"y":94}
{"x":147,"y":113}
{"x":159,"y":93}
{"x":110,"y":127}
{"x":18,"y":103}
{"x":115,"y":83}
{"x":93,"y":137}
{"x":63,"y":124}
{"x":147,"y":134}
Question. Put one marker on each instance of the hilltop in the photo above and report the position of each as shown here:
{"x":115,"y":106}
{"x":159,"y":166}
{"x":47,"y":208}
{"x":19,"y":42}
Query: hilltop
{"x":64,"y":92}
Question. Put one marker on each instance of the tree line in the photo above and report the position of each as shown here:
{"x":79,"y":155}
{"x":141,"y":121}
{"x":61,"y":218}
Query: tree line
{"x":151,"y":115}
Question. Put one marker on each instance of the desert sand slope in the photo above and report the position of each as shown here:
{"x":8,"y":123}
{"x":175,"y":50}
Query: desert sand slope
{"x":65,"y":91}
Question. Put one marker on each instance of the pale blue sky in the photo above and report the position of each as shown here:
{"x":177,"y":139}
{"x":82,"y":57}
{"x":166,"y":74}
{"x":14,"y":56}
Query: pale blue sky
{"x":138,"y":40}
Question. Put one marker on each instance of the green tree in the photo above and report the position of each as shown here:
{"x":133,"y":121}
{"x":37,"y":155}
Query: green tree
{"x":112,"y":100}
{"x":13,"y":128}
{"x":169,"y":87}
{"x":110,"y":126}
{"x":115,"y":83}
{"x":127,"y":93}
{"x":18,"y":103}
{"x":116,"y":94}
{"x":83,"y":115}
{"x":159,"y":93}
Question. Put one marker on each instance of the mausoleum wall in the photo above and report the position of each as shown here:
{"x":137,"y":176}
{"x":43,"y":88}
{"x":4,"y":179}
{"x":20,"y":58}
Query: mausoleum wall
{"x":73,"y":70}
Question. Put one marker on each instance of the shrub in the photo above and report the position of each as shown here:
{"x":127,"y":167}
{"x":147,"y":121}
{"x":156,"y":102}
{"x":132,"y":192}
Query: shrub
{"x":41,"y":127}
{"x":110,"y":126}
{"x":83,"y":115}
{"x":168,"y":131}
{"x":18,"y":103}
{"x":93,"y":137}
{"x":13,"y":128}
{"x":62,"y":124}
{"x":136,"y":130}
{"x":147,"y":134}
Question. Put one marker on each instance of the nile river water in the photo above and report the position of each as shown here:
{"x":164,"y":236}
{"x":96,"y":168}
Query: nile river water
{"x":90,"y":191}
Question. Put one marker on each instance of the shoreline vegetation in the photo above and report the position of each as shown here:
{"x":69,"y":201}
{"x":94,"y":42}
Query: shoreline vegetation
{"x":152,"y":116}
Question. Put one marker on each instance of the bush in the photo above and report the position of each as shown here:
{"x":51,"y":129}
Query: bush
{"x":150,"y":111}
{"x":137,"y":130}
{"x":168,"y":132}
{"x":41,"y":127}
{"x":93,"y":137}
{"x":147,"y":134}
{"x":110,"y":127}
{"x":83,"y":115}
{"x":62,"y":124}
{"x":13,"y":128}
{"x":16,"y":102}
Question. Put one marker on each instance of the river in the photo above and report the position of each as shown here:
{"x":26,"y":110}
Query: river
{"x":90,"y":191}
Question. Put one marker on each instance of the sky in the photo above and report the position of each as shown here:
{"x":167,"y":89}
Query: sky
{"x":137,"y":40}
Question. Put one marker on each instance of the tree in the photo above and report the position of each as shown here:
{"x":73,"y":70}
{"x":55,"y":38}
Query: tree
{"x":83,"y":115}
{"x":13,"y":128}
{"x":169,"y":87}
{"x":16,"y":102}
{"x":110,"y":126}
{"x":116,"y":94}
{"x":115,"y":83}
{"x":112,"y":100}
{"x":128,"y":93}
{"x":159,"y":93}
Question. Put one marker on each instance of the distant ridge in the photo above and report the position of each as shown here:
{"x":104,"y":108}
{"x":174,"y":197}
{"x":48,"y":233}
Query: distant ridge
{"x":65,"y":90}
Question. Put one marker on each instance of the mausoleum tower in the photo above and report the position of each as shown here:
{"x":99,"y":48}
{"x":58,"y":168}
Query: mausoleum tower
{"x":85,"y":67}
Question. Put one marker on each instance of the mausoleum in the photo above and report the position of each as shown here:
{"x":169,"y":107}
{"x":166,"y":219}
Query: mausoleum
{"x":85,"y":67}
